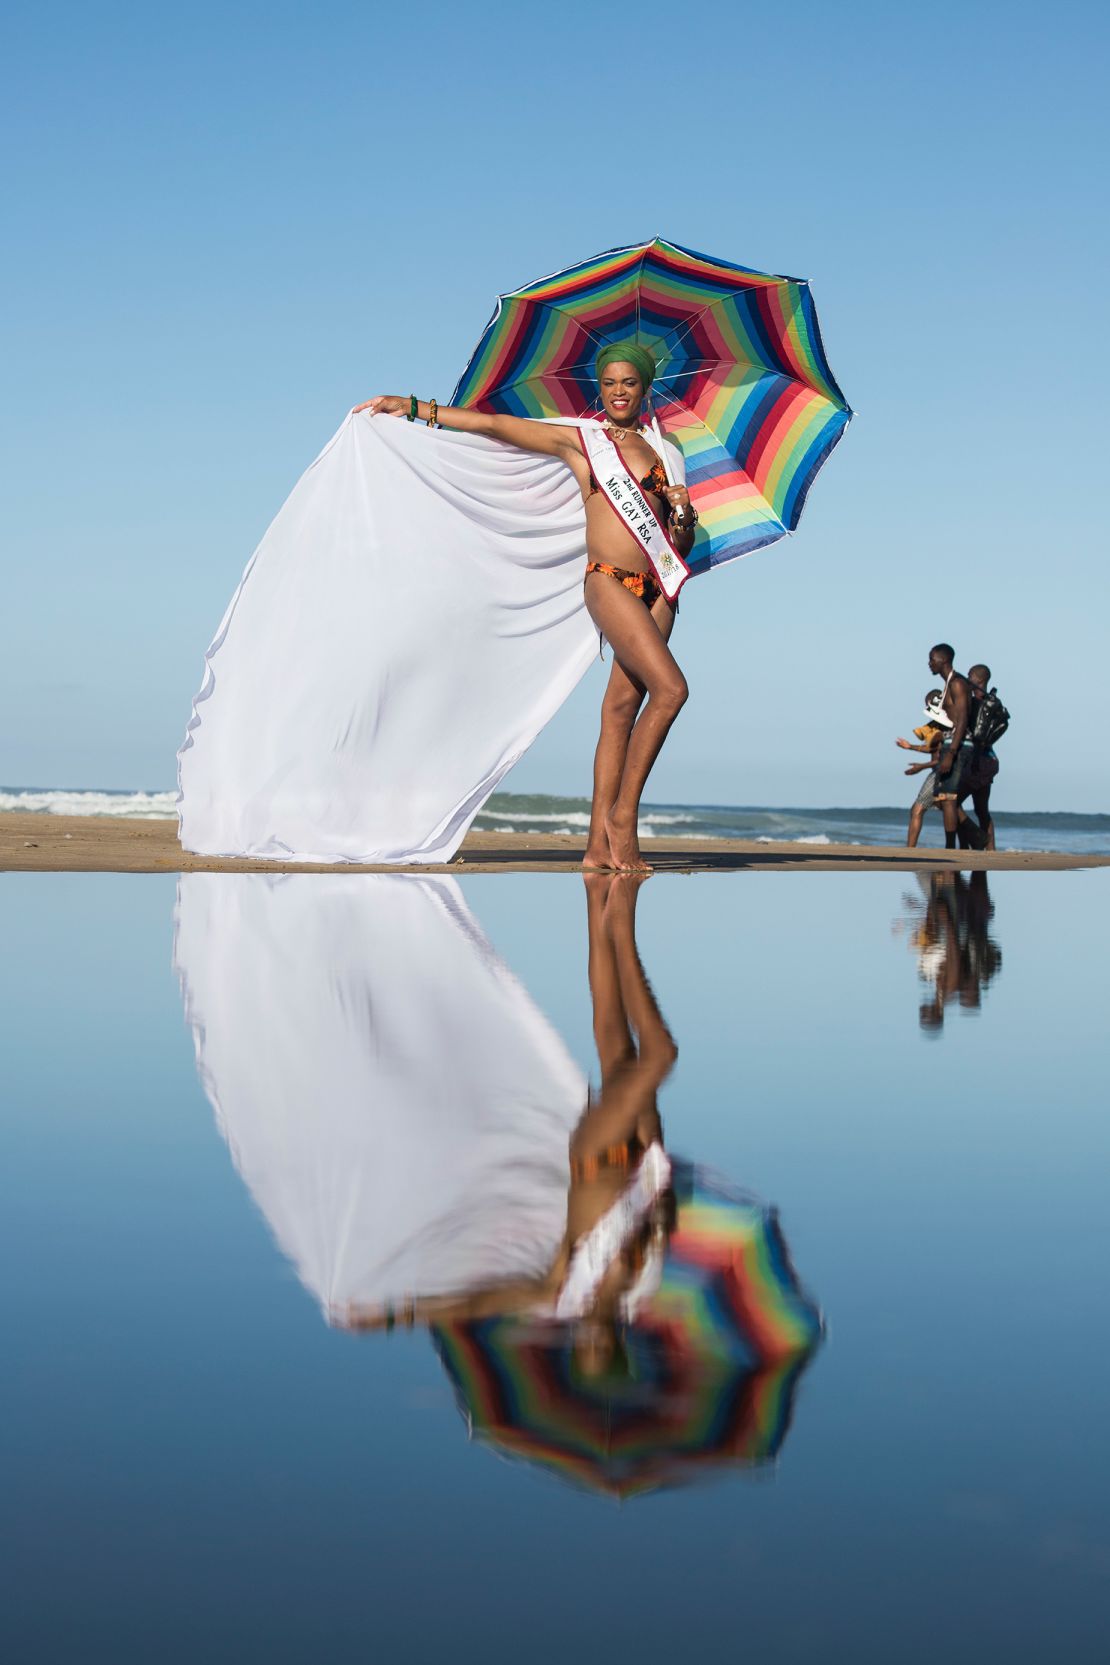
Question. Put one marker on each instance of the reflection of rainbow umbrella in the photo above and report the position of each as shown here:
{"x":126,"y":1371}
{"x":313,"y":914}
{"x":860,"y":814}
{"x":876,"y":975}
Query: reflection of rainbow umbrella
{"x":713,"y":1360}
{"x":744,"y":388}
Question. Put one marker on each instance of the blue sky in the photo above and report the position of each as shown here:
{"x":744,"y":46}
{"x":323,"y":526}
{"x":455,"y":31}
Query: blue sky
{"x":231,"y":223}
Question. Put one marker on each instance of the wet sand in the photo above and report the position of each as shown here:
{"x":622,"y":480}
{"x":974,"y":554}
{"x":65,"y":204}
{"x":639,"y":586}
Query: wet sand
{"x":109,"y":844}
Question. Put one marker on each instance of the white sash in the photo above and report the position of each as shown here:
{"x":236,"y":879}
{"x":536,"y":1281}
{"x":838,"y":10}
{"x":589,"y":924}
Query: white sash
{"x":595,"y":1253}
{"x":627,"y":500}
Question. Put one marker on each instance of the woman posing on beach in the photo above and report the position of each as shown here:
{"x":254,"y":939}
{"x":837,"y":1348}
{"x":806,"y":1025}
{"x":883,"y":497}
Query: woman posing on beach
{"x":622,"y":594}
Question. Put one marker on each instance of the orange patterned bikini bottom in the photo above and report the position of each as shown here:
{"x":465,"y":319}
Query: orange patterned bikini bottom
{"x":640,"y":584}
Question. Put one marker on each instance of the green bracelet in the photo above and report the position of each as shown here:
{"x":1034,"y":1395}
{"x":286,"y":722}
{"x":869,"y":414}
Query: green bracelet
{"x":412,"y":407}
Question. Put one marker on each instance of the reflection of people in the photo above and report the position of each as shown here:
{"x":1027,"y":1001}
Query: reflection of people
{"x":623,"y":593}
{"x":956,"y":954}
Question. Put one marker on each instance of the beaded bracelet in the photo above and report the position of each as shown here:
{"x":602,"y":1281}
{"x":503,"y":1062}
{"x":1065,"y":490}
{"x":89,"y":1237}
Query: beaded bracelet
{"x":412,"y":407}
{"x":433,"y":413}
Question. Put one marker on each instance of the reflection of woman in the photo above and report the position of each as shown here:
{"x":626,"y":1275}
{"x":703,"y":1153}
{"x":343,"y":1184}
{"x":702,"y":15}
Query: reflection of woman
{"x":622,"y":595}
{"x":620,"y":1129}
{"x":669,"y":1329}
{"x":619,"y":1203}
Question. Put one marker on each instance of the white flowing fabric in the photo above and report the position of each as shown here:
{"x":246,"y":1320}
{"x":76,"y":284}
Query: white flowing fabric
{"x":408,"y":624}
{"x":395,"y":1102}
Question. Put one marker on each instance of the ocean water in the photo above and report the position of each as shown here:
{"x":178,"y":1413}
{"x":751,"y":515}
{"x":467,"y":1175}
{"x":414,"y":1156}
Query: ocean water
{"x":539,"y":813}
{"x":284,"y":1186}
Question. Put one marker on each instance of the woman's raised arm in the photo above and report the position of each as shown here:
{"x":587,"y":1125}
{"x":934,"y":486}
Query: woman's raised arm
{"x":526,"y":435}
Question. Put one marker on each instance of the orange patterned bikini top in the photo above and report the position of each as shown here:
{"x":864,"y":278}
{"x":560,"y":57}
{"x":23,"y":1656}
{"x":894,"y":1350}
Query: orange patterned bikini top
{"x":613,"y":1156}
{"x":655,"y":481}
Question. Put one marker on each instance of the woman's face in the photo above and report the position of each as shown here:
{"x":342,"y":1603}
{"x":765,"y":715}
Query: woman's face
{"x":622,"y":391}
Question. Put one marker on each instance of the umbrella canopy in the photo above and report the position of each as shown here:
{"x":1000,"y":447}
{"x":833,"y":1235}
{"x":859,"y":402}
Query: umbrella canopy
{"x":743,"y":386}
{"x":708,"y":1373}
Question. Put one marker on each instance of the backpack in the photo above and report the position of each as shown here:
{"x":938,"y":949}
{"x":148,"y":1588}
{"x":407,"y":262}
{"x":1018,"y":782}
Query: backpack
{"x":991,"y":721}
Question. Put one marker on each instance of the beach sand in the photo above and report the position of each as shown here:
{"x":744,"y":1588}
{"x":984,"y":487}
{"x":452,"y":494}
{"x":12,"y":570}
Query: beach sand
{"x":109,"y":844}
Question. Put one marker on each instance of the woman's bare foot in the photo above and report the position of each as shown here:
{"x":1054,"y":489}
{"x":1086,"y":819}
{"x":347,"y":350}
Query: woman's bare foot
{"x":597,"y":857}
{"x":624,"y":845}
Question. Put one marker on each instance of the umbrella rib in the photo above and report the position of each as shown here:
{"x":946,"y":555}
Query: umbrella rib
{"x":640,"y":281}
{"x":709,"y":305}
{"x":561,"y":312}
{"x":688,"y":326}
{"x":544,"y":306}
{"x":517,"y":294}
{"x":716,"y":436}
{"x":522,"y":292}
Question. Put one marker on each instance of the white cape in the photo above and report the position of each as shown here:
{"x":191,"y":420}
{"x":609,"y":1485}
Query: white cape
{"x":408,"y":624}
{"x":392,"y":1097}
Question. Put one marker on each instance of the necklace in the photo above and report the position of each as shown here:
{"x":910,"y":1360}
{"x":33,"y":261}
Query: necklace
{"x":617,"y":433}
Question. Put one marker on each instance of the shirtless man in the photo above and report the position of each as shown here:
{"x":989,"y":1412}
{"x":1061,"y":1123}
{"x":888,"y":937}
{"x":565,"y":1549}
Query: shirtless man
{"x":954,"y":757}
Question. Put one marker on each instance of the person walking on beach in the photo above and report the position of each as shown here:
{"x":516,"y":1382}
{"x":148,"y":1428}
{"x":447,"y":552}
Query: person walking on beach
{"x":930,"y":735}
{"x":625,"y":600}
{"x":980,"y":770}
{"x":989,"y":721}
{"x":953,"y":757}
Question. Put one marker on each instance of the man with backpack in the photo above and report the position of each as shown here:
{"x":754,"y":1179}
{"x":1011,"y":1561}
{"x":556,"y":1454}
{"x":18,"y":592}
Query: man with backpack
{"x":988,"y":721}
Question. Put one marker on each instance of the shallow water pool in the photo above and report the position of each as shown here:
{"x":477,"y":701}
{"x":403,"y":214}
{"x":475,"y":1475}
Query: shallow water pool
{"x":288,"y":1226}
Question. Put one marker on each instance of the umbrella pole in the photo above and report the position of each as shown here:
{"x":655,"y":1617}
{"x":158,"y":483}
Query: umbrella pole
{"x":658,"y":432}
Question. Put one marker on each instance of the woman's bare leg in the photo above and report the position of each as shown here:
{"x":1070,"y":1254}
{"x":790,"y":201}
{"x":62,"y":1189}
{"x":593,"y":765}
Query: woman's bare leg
{"x":641,"y":652}
{"x":619,"y":710}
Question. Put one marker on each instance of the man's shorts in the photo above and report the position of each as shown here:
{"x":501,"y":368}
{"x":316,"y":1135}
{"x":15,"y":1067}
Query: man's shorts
{"x":979,"y":774}
{"x":927,"y":791}
{"x":949,"y":785}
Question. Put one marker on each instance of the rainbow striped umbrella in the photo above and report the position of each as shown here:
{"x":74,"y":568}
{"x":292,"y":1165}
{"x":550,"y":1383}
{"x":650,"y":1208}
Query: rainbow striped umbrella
{"x":709,"y":1371}
{"x":744,"y":388}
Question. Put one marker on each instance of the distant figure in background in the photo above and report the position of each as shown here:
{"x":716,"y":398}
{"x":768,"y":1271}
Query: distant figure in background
{"x":955,"y":752}
{"x":931,"y":735}
{"x":989,"y":722}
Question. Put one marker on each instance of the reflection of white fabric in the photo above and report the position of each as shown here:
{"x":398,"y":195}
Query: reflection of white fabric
{"x":410,"y":621}
{"x":397,"y":1105}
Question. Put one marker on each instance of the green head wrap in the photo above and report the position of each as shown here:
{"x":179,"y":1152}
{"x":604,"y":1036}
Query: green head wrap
{"x":629,"y":352}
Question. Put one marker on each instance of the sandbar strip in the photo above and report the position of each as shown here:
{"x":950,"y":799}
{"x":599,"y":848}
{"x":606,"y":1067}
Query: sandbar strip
{"x":118,"y":844}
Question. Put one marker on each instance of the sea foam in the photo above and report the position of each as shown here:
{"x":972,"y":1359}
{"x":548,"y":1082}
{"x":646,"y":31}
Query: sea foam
{"x":66,"y":801}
